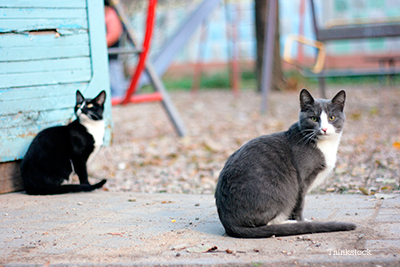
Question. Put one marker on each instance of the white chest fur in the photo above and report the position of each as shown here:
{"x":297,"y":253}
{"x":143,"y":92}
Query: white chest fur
{"x":96,"y":129}
{"x":329,"y":146}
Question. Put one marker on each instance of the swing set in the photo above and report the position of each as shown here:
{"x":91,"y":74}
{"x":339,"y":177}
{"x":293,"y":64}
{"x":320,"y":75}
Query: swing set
{"x":160,"y":94}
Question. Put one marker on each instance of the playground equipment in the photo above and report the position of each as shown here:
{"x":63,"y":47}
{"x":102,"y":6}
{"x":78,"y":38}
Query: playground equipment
{"x":180,"y":38}
{"x":232,"y":35}
{"x":160,"y":93}
{"x":162,"y":61}
{"x":345,"y":30}
{"x":268,"y":55}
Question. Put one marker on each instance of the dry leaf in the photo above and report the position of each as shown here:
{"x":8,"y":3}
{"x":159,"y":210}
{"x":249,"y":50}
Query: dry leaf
{"x":387,"y":188}
{"x":119,"y":234}
{"x":366,"y":191}
{"x":201,"y":248}
{"x":396,"y":145}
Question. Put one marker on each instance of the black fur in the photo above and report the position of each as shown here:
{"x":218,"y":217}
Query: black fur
{"x":58,"y":151}
{"x":270,"y":176}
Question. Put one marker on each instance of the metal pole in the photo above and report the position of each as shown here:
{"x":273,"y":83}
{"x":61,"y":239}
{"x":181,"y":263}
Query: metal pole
{"x":198,"y":66}
{"x":321,"y":80}
{"x":166,"y":101}
{"x":268,"y":53}
{"x":154,"y":78}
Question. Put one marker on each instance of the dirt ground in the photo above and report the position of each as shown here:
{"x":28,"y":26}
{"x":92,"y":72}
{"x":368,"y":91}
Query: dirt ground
{"x":147,"y":155}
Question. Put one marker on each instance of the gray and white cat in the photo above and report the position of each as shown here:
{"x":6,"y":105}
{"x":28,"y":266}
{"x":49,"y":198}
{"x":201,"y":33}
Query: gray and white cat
{"x":262,"y":187}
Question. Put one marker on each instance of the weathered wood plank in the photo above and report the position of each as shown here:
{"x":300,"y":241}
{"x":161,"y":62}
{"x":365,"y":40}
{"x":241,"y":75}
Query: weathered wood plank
{"x":28,"y":109}
{"x":36,"y":53}
{"x":20,"y":25}
{"x":10,"y":178}
{"x":14,"y":148}
{"x":44,"y":78}
{"x":11,"y":124}
{"x":47,"y":65}
{"x":98,"y":48}
{"x":60,"y":90}
{"x":44,"y":3}
{"x":31,"y":130}
{"x":14,"y":40}
{"x":42,"y":13}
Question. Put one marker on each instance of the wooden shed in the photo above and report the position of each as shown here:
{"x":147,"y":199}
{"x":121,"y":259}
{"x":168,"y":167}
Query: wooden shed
{"x":48,"y":50}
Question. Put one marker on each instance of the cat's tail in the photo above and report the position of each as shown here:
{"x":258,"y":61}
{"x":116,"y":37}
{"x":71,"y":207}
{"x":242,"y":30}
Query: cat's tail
{"x":286,"y":229}
{"x":63,"y":189}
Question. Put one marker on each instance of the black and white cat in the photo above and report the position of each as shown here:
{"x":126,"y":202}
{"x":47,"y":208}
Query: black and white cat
{"x":58,"y":152}
{"x":261,"y":189}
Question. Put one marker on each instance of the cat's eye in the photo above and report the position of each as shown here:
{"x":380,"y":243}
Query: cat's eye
{"x":78,"y":106}
{"x":332,"y":118}
{"x":90,"y":105}
{"x":314,"y":118}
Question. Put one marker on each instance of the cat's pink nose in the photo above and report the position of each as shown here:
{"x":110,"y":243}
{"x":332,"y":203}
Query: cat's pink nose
{"x":324,"y":129}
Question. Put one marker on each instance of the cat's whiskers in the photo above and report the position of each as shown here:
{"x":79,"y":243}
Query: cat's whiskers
{"x":308,"y":137}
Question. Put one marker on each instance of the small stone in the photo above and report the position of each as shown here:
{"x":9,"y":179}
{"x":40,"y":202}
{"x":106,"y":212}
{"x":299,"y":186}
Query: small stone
{"x":122,"y":166}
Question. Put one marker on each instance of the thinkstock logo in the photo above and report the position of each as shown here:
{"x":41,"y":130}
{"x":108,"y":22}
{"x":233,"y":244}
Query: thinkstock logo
{"x":349,"y":252}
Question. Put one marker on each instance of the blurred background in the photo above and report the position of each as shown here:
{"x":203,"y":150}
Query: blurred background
{"x":229,"y":31}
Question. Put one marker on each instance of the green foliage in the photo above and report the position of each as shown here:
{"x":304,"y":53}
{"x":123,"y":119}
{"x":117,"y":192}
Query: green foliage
{"x":221,"y":80}
{"x":218,"y":80}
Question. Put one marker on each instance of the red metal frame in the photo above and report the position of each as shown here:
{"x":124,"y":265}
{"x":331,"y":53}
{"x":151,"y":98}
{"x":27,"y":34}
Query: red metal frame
{"x":129,"y":95}
{"x":156,"y":96}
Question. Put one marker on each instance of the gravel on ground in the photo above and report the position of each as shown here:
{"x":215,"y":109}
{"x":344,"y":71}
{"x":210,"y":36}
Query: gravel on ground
{"x":148,"y":156}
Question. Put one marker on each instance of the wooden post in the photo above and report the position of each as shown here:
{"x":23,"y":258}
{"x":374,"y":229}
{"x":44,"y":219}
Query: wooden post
{"x":268,"y":56}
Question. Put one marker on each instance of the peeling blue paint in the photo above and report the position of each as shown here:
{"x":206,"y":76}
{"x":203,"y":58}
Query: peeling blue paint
{"x":46,"y":55}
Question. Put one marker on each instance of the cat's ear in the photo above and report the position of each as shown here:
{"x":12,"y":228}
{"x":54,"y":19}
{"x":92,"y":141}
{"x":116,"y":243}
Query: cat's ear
{"x":306,"y":99}
{"x":339,"y":99}
{"x":79,"y":97}
{"x":100,"y":98}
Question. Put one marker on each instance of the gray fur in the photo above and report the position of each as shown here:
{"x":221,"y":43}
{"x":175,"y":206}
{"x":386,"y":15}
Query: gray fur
{"x":268,"y":177}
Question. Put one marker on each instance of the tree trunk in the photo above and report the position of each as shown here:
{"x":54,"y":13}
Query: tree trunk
{"x":261,"y":13}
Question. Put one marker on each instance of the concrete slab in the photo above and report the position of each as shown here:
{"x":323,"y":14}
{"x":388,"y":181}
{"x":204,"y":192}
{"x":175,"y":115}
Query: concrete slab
{"x":125,"y":229}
